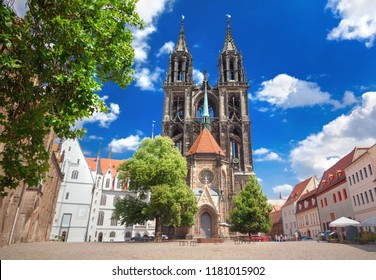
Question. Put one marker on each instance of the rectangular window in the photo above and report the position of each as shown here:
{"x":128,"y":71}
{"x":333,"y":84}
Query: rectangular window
{"x":322,"y":204}
{"x":370,"y":169}
{"x":353,"y":176}
{"x":339,"y":196}
{"x":365,"y":172}
{"x":371,"y":195}
{"x":362,"y":197}
{"x":350,"y":181}
{"x":361,"y":174}
{"x":334,"y":198}
{"x":354,"y":200}
{"x":357,"y":197}
{"x":344,"y":194}
{"x":366,"y":195}
{"x":67,"y":195}
{"x":357,"y":177}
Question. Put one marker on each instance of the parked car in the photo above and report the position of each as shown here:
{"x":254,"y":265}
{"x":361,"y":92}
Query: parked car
{"x":306,"y":238}
{"x":139,"y":239}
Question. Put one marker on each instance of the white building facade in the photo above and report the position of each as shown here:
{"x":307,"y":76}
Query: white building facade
{"x":73,"y":205}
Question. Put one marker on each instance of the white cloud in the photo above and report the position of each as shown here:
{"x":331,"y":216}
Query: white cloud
{"x":318,"y":152}
{"x":198,"y":76}
{"x":286,"y":92}
{"x":145,"y":79}
{"x":264,"y":154}
{"x":125,"y":144}
{"x":167,"y":48}
{"x":94,"y":137}
{"x":104,"y":119}
{"x":284,"y":189}
{"x":149,"y":11}
{"x":358,"y":20}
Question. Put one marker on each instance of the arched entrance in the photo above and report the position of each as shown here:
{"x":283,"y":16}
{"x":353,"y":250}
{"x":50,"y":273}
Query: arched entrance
{"x":100,"y":237}
{"x":206,"y":225}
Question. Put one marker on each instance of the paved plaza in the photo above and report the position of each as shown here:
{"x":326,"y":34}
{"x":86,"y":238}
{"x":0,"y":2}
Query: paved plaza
{"x":305,"y":250}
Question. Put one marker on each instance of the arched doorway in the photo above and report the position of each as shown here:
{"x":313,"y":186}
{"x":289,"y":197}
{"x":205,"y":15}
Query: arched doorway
{"x":100,"y":237}
{"x":206,"y":225}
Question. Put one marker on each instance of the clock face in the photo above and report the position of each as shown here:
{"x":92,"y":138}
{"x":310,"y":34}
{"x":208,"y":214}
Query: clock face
{"x":206,"y":177}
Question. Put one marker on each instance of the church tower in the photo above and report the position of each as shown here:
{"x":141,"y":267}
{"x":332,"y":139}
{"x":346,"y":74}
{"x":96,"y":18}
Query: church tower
{"x":210,"y":125}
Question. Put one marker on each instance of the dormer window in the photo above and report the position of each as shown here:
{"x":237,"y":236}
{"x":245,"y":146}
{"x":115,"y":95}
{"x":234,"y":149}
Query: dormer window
{"x":339,"y":172}
{"x":330,"y":178}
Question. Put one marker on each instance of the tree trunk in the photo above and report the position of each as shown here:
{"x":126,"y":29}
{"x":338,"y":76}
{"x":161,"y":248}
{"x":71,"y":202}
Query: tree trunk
{"x":158,"y":229}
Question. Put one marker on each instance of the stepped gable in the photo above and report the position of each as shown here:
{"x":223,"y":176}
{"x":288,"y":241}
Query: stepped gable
{"x":335,"y":174}
{"x":297,"y":192}
{"x":205,"y":144}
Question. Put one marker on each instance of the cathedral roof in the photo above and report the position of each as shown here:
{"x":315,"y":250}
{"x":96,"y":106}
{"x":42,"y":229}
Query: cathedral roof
{"x":206,"y":144}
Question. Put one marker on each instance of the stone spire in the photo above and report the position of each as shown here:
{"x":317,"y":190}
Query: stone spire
{"x":182,"y":43}
{"x":229,"y":40}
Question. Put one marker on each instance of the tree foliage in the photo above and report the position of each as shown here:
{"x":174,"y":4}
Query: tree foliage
{"x":52,"y":63}
{"x":251,"y":212}
{"x":157,"y":168}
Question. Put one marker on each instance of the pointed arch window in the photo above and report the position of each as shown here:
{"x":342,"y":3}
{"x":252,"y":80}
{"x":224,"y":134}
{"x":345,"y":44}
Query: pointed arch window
{"x":232,"y":69}
{"x":211,"y":108}
{"x":100,"y":218}
{"x":107,"y":184}
{"x":74,"y":175}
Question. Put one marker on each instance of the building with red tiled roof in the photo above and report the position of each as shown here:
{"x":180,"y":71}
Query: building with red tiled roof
{"x":307,"y":214}
{"x":289,"y":208}
{"x":205,"y":144}
{"x":333,"y":198}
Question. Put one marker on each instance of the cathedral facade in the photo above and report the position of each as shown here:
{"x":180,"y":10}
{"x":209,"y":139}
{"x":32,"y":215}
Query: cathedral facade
{"x":211,"y":127}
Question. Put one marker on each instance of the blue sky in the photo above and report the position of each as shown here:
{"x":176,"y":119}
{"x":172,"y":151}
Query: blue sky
{"x":311,"y":66}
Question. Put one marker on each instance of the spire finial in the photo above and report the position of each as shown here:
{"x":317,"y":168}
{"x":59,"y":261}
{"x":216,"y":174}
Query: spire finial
{"x":228,"y":20}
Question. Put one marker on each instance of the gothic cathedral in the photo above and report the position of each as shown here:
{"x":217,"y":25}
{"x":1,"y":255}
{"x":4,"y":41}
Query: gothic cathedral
{"x":210,"y":125}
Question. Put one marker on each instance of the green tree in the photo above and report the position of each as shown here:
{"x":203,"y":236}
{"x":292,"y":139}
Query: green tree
{"x":52,"y":63}
{"x":251,"y":212}
{"x":157,"y":168}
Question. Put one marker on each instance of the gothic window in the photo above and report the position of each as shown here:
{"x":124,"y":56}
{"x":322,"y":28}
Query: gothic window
{"x":118,"y":185}
{"x":107,"y":184}
{"x":112,"y":234}
{"x":178,"y":108}
{"x":224,"y":69}
{"x":211,"y":107}
{"x":74,"y":175}
{"x":103,"y":199}
{"x":100,"y":218}
{"x":235,"y":140}
{"x":233,"y":106}
{"x":177,"y":137}
{"x":232,"y":69}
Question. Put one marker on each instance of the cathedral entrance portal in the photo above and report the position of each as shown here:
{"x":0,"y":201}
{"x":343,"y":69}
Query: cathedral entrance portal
{"x":206,"y":225}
